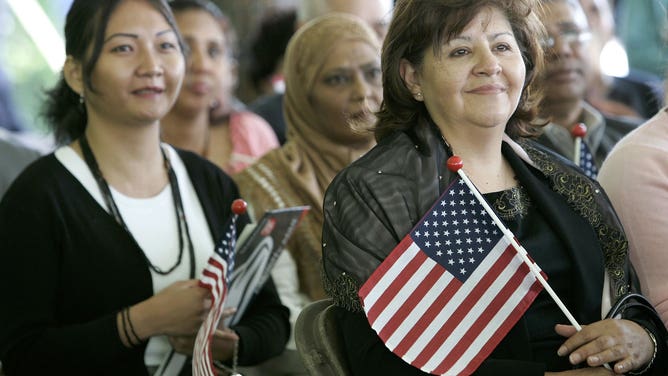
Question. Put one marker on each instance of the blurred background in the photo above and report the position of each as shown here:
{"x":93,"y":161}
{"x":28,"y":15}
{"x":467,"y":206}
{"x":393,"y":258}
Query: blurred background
{"x":32,"y":52}
{"x":31,"y":48}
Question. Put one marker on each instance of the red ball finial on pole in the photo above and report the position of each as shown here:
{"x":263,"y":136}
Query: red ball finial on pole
{"x":455,"y":163}
{"x":239,"y":206}
{"x":579,"y":130}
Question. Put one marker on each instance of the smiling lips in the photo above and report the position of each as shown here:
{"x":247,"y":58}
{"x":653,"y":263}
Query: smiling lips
{"x":490,"y":89}
{"x":148,"y":91}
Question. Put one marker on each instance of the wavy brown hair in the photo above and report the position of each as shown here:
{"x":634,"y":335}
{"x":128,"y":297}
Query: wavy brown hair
{"x":421,"y":24}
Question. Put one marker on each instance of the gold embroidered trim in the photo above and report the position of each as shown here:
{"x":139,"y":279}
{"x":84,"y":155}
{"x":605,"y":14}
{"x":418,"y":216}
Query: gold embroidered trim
{"x":343,"y":291}
{"x":580,"y":193}
{"x":512,"y":203}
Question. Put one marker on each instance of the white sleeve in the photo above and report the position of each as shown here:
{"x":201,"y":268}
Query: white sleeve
{"x":286,"y":280}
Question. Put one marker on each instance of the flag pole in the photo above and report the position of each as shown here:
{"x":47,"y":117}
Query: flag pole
{"x":214,"y":278}
{"x":455,"y":164}
{"x":578,"y":131}
{"x":576,"y":152}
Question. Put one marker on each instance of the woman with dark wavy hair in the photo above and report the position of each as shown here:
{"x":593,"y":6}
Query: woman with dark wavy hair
{"x":458,"y":79}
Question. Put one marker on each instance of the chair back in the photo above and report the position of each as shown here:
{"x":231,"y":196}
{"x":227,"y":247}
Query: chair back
{"x":319,"y":342}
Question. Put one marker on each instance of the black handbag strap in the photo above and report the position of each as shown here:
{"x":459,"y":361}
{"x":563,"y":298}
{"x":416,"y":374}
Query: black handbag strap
{"x":630,"y":300}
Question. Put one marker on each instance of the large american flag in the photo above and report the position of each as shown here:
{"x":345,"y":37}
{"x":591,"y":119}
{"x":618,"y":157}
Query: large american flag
{"x":451,"y":290}
{"x":215,"y":277}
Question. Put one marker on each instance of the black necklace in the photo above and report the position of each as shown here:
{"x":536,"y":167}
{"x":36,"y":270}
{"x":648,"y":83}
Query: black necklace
{"x":182,"y":223}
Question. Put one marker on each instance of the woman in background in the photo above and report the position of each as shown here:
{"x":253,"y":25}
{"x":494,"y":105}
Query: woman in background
{"x":206,"y":118}
{"x":102,"y":241}
{"x":332,"y":79}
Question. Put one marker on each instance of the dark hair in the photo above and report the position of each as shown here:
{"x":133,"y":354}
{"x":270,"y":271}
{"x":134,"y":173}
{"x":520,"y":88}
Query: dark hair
{"x":421,"y":24}
{"x":269,"y":43}
{"x":85,"y":26}
{"x":211,"y":8}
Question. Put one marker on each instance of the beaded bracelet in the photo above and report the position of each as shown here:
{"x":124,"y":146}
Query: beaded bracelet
{"x":651,"y":361}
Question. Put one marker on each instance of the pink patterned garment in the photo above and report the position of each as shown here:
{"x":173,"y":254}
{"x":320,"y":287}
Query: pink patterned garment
{"x":252,"y":137}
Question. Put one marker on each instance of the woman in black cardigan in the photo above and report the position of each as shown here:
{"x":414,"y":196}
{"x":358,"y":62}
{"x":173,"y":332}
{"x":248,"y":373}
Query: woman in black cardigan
{"x":101,"y":241}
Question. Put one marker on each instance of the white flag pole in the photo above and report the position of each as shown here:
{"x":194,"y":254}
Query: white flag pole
{"x":578,"y":132}
{"x":455,"y":164}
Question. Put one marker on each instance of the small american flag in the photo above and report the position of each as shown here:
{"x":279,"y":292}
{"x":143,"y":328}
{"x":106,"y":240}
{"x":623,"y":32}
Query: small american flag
{"x":587,"y":163}
{"x":215,"y":278}
{"x":451,"y":290}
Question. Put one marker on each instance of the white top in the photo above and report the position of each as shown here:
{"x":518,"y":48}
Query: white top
{"x":157,"y":238}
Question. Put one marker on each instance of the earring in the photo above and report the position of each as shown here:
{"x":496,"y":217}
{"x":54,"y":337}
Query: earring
{"x":418,"y":96}
{"x":81,"y":99}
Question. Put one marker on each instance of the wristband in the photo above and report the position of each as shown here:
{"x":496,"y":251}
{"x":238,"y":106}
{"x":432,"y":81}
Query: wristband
{"x":651,"y":361}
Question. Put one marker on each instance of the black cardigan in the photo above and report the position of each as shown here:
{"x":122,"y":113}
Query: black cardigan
{"x":67,"y":268}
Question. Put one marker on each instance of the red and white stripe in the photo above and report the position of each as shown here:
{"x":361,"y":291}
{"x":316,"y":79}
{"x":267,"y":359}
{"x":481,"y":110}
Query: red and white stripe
{"x":213,"y":278}
{"x":436,"y":323}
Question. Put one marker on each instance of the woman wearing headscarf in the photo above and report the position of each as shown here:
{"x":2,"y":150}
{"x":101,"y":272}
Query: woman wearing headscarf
{"x":332,"y":74}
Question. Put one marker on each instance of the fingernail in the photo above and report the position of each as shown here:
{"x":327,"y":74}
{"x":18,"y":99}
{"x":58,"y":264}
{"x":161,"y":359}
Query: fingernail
{"x":593,"y":359}
{"x":562,"y":351}
{"x":575,"y":358}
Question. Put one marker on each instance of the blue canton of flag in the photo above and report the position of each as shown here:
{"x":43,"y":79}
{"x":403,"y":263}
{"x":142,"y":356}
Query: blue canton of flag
{"x":226,"y":248}
{"x":458,"y":234}
{"x":587,"y":163}
{"x":451,"y":290}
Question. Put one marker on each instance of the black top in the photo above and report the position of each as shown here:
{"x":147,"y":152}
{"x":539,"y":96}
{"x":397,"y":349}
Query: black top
{"x":68,"y":267}
{"x":270,"y":108}
{"x":548,"y":251}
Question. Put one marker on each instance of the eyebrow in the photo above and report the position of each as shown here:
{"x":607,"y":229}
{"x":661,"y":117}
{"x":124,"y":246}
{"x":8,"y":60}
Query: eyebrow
{"x":367,"y":65}
{"x":337,"y":70}
{"x":370,"y":65}
{"x":135,"y":36}
{"x":494,"y":36}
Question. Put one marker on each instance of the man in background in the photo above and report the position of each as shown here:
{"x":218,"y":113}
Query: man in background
{"x":566,"y":75}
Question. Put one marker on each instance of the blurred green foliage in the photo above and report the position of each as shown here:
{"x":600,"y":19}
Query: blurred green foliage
{"x":27,"y":70}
